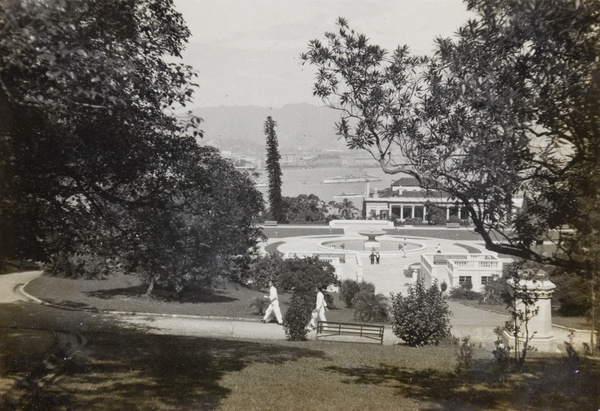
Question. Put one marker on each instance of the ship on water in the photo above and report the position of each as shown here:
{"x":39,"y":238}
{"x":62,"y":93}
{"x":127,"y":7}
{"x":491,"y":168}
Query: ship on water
{"x":351,"y":179}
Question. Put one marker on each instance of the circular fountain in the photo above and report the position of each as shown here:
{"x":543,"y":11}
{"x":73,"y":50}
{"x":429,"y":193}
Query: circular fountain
{"x":371,"y":243}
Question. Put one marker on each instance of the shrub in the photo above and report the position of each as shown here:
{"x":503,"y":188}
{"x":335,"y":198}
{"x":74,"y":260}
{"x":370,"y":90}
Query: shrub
{"x":464,"y":356}
{"x":501,"y":353}
{"x":422,"y":317}
{"x":298,"y":315}
{"x":348,"y":290}
{"x":370,"y":307}
{"x":259,"y":306}
{"x":494,"y":292}
{"x":461,"y":293}
{"x":262,"y":270}
{"x":364,"y":286}
{"x":291,"y":274}
{"x":329,"y":300}
{"x":413,"y":221}
{"x":304,"y":274}
{"x":572,"y":293}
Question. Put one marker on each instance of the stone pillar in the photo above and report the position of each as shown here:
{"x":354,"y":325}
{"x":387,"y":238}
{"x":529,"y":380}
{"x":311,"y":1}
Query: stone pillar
{"x":540,"y":326}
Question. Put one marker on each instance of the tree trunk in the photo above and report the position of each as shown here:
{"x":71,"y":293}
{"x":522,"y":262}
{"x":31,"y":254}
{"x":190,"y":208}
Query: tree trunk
{"x":153,"y":281}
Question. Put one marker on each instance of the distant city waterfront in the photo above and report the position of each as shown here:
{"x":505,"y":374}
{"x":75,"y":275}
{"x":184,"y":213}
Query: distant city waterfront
{"x":298,"y":181}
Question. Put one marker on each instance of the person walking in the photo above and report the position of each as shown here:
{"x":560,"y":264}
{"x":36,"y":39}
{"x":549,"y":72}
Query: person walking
{"x":372,"y":257}
{"x":273,"y":306}
{"x":319,"y":311}
{"x":377,"y":257}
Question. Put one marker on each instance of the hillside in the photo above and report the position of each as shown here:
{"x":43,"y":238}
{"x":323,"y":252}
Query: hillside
{"x":299,"y":127}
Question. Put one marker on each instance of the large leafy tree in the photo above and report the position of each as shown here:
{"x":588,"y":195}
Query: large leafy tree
{"x":85,"y":85}
{"x":92,"y":163}
{"x":508,"y":108}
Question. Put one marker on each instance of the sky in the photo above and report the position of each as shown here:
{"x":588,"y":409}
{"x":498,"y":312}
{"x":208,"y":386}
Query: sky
{"x":247,"y":51}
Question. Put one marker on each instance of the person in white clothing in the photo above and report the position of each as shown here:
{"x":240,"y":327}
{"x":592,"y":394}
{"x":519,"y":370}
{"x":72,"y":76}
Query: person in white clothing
{"x":319,"y":311}
{"x":273,"y":306}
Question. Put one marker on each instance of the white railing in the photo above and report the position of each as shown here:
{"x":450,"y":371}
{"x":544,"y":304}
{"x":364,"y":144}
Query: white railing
{"x":450,"y":267}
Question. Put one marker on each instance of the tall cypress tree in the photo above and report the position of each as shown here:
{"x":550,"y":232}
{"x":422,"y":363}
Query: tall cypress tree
{"x":274,"y":170}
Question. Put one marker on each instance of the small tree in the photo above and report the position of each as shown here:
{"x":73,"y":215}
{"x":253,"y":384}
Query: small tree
{"x":521,"y":304}
{"x":274,"y":171}
{"x":422,"y":317}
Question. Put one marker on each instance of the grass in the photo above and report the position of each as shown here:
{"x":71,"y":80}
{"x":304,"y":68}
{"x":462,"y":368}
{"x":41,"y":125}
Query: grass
{"x":123,"y":367}
{"x":578,"y":323}
{"x":126,"y":293}
{"x":141,"y":371}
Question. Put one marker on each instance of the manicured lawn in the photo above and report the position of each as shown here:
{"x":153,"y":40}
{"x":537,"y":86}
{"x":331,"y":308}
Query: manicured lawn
{"x":127,"y":368}
{"x":578,"y":323}
{"x":126,"y":293}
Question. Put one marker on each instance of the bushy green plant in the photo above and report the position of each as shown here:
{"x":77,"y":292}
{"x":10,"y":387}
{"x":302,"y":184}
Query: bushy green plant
{"x":461,"y":293}
{"x":413,"y":221}
{"x":291,"y":274}
{"x":304,"y":274}
{"x":494,"y":291}
{"x":501,"y":353}
{"x":572,"y":293}
{"x":348,"y":290}
{"x":259,"y":306}
{"x":464,"y":356}
{"x":364,"y":286}
{"x":422,"y":317}
{"x":262,"y":270}
{"x":298,"y":315}
{"x":370,"y":307}
{"x":329,"y":300}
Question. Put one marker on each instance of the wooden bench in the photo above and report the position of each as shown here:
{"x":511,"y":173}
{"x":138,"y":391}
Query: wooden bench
{"x":270,"y":223}
{"x":368,"y":331}
{"x":452,"y":225}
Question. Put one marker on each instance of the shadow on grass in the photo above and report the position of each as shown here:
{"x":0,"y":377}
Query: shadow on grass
{"x":137,"y":371}
{"x":548,"y":383}
{"x":162,"y":295}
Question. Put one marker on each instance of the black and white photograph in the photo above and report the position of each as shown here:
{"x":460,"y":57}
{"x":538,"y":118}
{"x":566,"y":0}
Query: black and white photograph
{"x":299,"y":205}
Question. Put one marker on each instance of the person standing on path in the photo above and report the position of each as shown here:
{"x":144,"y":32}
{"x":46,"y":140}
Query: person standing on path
{"x":377,"y":257}
{"x":319,"y":310}
{"x":372,"y":257}
{"x":273,"y":306}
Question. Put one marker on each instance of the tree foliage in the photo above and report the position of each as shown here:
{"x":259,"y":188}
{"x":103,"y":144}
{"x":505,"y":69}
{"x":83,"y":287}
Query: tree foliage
{"x":304,"y":209}
{"x":422,"y":317}
{"x":508,"y":108}
{"x":521,"y":304}
{"x":292,"y":274}
{"x":93,"y":166}
{"x":276,"y":204}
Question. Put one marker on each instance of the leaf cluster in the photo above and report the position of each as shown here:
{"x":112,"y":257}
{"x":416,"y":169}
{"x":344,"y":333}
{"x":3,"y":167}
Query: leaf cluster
{"x":422,"y":317}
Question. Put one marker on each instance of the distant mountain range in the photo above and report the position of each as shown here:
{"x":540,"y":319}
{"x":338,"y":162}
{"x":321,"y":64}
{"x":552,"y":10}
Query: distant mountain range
{"x":241,"y":129}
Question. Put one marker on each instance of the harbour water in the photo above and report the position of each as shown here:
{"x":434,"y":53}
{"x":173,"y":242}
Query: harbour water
{"x":296,"y":181}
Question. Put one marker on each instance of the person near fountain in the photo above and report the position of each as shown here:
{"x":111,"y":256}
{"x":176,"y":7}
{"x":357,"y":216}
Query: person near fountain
{"x":273,"y":306}
{"x":372,"y":257}
{"x":402,"y":247}
{"x":319,"y":311}
{"x":377,"y":257}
